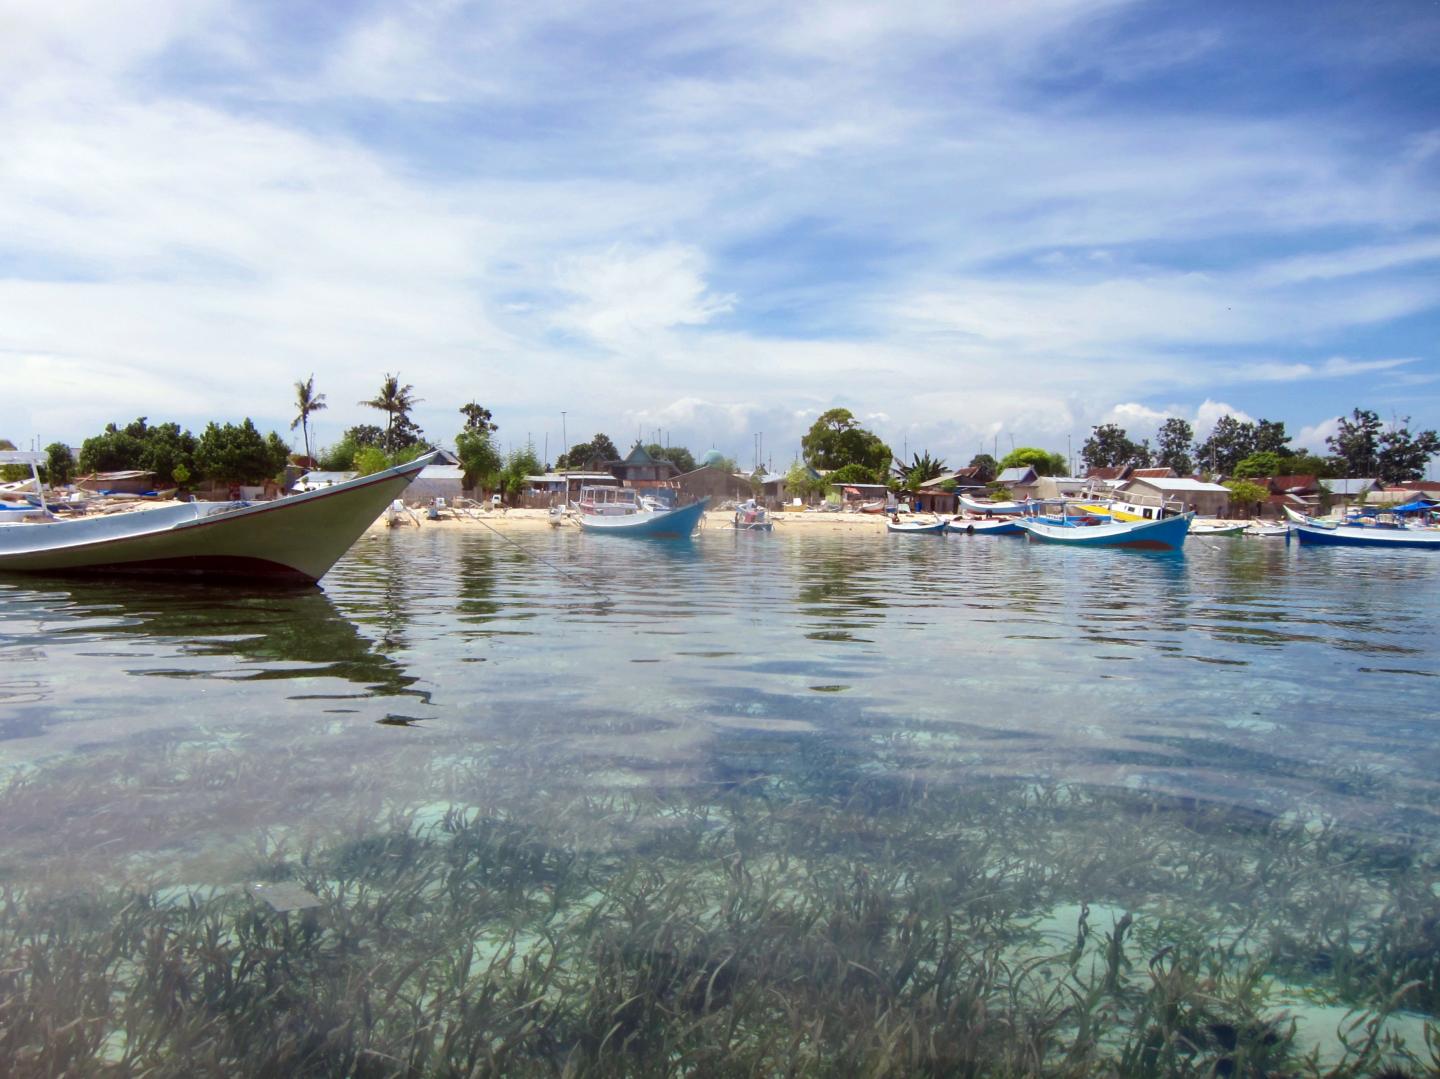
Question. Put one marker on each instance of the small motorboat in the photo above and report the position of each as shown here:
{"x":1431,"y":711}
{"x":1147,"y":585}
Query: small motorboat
{"x":607,"y":517}
{"x":1259,"y":530}
{"x":985,"y":526}
{"x":1316,"y":532}
{"x":1215,"y":528}
{"x":750,"y":516}
{"x":916,"y":528}
{"x":1165,"y":534}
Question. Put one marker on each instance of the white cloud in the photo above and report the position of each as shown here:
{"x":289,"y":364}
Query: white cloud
{"x":1210,"y":412}
{"x":1313,"y":437}
{"x":622,"y":296}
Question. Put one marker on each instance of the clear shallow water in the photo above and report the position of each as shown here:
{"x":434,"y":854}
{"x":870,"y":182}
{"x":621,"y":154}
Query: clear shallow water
{"x":602,"y":694}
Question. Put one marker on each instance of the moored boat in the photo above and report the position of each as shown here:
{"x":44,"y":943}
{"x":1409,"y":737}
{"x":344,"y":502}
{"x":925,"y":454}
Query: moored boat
{"x":1165,"y":534}
{"x":651,"y":523}
{"x":987,"y":508}
{"x":290,"y":540}
{"x":985,"y":526}
{"x":1316,"y":532}
{"x":1213,"y":528}
{"x":750,"y":516}
{"x":916,"y":528}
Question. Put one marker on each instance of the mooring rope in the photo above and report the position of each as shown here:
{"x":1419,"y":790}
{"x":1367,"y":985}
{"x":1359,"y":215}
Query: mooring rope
{"x":545,"y":561}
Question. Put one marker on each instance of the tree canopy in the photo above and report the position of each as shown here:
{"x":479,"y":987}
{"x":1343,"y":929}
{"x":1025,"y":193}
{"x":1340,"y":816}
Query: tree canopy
{"x":478,"y":457}
{"x":1109,"y":446}
{"x":598,"y":452}
{"x":1365,"y":447}
{"x":922,"y":467}
{"x":231,"y":453}
{"x":836,"y":440}
{"x":160,"y":449}
{"x":307,"y":403}
{"x":682,"y":458}
{"x":1043,"y":462}
{"x":396,"y":401}
{"x":1172,"y":446}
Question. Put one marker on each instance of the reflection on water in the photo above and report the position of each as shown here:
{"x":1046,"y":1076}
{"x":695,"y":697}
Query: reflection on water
{"x":1235,"y":749}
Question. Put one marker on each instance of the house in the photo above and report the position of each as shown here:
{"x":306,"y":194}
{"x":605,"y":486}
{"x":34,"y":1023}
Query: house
{"x":713,"y":483}
{"x":1299,"y":492}
{"x":1153,"y":474}
{"x":1350,"y":492}
{"x":1022,"y":481}
{"x":639,"y":469}
{"x":932,"y":497}
{"x":436,"y":481}
{"x":1064,"y":487}
{"x":1111,"y":475}
{"x":772,"y":487}
{"x":1206,"y":499}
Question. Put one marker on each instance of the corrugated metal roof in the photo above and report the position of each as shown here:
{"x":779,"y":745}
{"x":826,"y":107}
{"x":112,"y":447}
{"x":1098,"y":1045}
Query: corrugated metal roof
{"x":1161,"y":483}
{"x":441,"y":472}
{"x":1018,"y":474}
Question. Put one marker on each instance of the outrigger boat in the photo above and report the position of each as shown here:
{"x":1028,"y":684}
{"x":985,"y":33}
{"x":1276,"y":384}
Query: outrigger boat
{"x":292,"y":540}
{"x":916,"y":528}
{"x":985,"y":526}
{"x":1165,"y":534}
{"x":750,"y":516}
{"x":987,"y":508}
{"x":638,"y":519}
{"x":1210,"y":528}
{"x":1312,"y":530}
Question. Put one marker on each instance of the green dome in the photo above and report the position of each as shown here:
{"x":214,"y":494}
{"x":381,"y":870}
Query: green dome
{"x":712,"y":457}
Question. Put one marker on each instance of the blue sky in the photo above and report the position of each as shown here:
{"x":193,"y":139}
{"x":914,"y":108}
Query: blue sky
{"x":969,"y":224}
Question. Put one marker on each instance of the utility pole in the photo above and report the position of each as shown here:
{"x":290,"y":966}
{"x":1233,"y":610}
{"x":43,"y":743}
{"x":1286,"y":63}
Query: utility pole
{"x":565,"y":447}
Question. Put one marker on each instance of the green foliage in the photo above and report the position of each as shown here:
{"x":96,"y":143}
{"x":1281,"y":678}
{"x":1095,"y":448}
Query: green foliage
{"x":478,"y":457}
{"x":1109,"y":446}
{"x":59,"y":464}
{"x":1043,"y":462}
{"x":159,"y":449}
{"x":519,"y":464}
{"x":836,"y":440}
{"x":1247,"y":494}
{"x":180,"y":475}
{"x":989,"y":467}
{"x":478,"y":418}
{"x":801,"y":482}
{"x":396,"y":401}
{"x":1173,"y":443}
{"x":923,"y":467}
{"x":1264,"y":463}
{"x":12,"y":473}
{"x":370,"y":459}
{"x":854,"y":473}
{"x":596,"y":453}
{"x":1308,"y":464}
{"x":682,"y":458}
{"x":1364,"y":448}
{"x":1232,"y":440}
{"x":230,"y":453}
{"x":307,"y":403}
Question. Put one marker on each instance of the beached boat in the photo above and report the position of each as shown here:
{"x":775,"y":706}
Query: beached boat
{"x":750,"y":516}
{"x":290,"y":540}
{"x":1317,"y":532}
{"x":916,"y":528}
{"x":1214,"y":528}
{"x":652,"y":523}
{"x":986,"y":508}
{"x":1166,"y":534}
{"x":985,"y":526}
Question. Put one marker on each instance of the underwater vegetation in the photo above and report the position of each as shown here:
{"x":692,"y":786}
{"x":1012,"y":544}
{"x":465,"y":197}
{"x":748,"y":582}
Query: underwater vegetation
{"x":803,"y":925}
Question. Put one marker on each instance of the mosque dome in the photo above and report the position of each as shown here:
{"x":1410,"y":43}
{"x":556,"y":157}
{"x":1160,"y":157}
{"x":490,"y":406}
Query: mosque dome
{"x":712,"y":457}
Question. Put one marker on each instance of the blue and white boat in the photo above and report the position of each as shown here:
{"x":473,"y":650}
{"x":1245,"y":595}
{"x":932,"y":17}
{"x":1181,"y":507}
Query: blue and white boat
{"x":1315,"y":532}
{"x":985,"y":526}
{"x":1166,"y":534}
{"x":619,"y":515}
{"x":916,"y":528}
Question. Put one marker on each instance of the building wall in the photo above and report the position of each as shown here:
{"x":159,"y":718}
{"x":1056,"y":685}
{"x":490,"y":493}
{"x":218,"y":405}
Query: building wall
{"x":1204,"y":503}
{"x":713,"y":483}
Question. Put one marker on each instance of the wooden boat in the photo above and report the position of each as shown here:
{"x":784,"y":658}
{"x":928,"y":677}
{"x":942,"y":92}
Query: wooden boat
{"x":654,"y":524}
{"x":1166,"y":534}
{"x":985,"y":526}
{"x":916,"y":528}
{"x":1316,"y":532}
{"x":1210,"y":528}
{"x":751,"y":517}
{"x":290,"y":540}
{"x":1256,"y":530}
{"x":987,"y":508}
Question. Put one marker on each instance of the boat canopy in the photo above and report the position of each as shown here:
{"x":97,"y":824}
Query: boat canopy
{"x":1418,"y":506}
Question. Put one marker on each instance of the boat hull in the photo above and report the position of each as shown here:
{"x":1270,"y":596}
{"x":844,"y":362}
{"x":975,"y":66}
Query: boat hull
{"x":935,"y":529}
{"x":994,"y":526}
{"x":1351,"y":536}
{"x":1166,"y":534}
{"x":292,"y":540}
{"x":666,"y":524}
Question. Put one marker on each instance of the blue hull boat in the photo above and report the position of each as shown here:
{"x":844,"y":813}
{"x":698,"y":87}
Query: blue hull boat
{"x":1325,"y":534}
{"x":982,"y":526}
{"x":653,"y":524}
{"x":1166,"y":534}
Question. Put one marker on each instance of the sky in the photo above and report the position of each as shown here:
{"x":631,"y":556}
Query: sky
{"x":974,"y":225}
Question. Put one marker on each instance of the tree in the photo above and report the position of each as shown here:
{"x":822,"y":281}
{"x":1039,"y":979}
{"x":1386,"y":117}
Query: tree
{"x":370,"y":459}
{"x":852,"y":473}
{"x":1403,"y":456}
{"x":1247,"y":494}
{"x":478,"y":457}
{"x":1356,"y":443}
{"x":235,"y":454}
{"x":598,"y":452}
{"x":1270,"y":437}
{"x":988,"y":466}
{"x":12,"y":473}
{"x":1173,"y":449}
{"x":396,"y":401}
{"x":307,"y":402}
{"x":682,"y":458}
{"x":1308,"y":464}
{"x":478,"y":418}
{"x":921,"y":468}
{"x":836,"y":440}
{"x":802,"y":482}
{"x":1230,"y":442}
{"x":1260,"y":463}
{"x":1108,"y":446}
{"x":159,"y":449}
{"x":1043,"y":462}
{"x":59,"y":464}
{"x":519,"y":464}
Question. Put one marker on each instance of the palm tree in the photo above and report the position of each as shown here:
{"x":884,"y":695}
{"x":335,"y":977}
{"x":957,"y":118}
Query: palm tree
{"x":308,"y":402}
{"x":922,"y":468}
{"x":393,"y":400}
